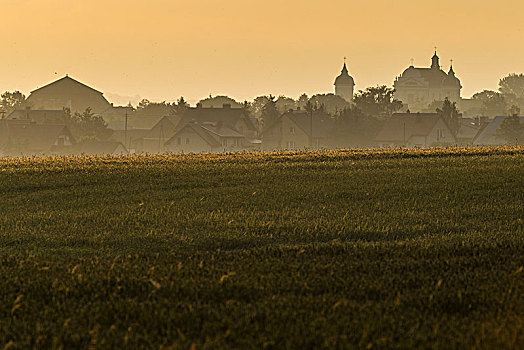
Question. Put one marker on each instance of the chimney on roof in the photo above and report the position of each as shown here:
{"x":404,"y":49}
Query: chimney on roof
{"x":226,"y":105}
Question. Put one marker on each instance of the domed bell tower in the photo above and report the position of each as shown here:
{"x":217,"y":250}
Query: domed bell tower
{"x":344,"y":84}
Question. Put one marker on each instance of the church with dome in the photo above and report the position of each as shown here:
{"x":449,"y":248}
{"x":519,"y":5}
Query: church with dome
{"x":344,"y":84}
{"x":417,"y":88}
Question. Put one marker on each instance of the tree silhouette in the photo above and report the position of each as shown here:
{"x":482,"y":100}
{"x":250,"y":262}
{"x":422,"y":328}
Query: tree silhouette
{"x":269,"y":112}
{"x":511,"y":129}
{"x":9,"y":101}
{"x":450,"y":114}
{"x":377,"y":101}
{"x":512,"y":89}
{"x":493,"y":103}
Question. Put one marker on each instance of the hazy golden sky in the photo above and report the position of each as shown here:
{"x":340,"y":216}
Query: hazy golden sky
{"x":163,"y":49}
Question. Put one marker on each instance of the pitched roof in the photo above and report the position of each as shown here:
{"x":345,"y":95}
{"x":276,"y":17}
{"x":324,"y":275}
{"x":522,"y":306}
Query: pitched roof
{"x":101,"y":147}
{"x":38,"y":115}
{"x":412,"y":124}
{"x":66,"y":79}
{"x":469,"y":128}
{"x":322,"y":123}
{"x":165,"y":127}
{"x":33,"y":137}
{"x":221,"y":130}
{"x":228,"y":116}
{"x":488,"y":135}
{"x":200,"y":131}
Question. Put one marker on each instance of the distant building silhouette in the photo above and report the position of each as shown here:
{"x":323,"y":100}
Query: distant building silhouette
{"x":95,"y":147}
{"x":23,"y":137}
{"x":295,"y":130}
{"x":344,"y":85}
{"x":68,"y":93}
{"x":415,"y":130}
{"x":205,"y":137}
{"x":419,"y":87}
{"x":196,"y":129}
{"x":488,"y":136}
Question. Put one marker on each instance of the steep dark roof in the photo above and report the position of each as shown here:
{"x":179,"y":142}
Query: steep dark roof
{"x":34,"y":137}
{"x":414,"y":124}
{"x":468,"y":129}
{"x":322,"y":123}
{"x":66,"y":79}
{"x":222,"y":130}
{"x":227,"y":116}
{"x":200,"y":131}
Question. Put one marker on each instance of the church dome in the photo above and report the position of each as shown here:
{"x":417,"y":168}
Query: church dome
{"x":344,"y":78}
{"x":451,"y":80}
{"x":411,"y":72}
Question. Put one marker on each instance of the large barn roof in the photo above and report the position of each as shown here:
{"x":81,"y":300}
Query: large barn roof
{"x":66,"y":79}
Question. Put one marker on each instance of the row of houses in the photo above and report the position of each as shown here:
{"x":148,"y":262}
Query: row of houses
{"x":38,"y":128}
{"x":429,"y":130}
{"x":226,"y":129}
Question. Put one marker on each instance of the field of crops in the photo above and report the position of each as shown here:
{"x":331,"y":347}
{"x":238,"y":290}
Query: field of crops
{"x":335,"y":249}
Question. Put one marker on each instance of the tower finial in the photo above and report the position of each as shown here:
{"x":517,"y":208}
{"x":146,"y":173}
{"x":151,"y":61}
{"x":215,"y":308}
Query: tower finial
{"x":412,"y":60}
{"x":451,"y":72}
{"x":344,"y":68}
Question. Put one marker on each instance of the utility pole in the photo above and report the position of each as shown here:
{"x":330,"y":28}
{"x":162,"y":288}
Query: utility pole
{"x":125,"y":133}
{"x":404,"y":134}
{"x":311,"y":129}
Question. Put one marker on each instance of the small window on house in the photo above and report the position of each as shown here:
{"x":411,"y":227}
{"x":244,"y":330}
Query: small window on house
{"x":290,"y":145}
{"x":224,"y":142}
{"x":440,"y":134}
{"x":292,"y":130}
{"x":187,"y":140}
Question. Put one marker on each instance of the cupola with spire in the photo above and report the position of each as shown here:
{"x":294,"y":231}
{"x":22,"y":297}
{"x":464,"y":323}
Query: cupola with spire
{"x":435,"y":61}
{"x":451,"y":79}
{"x":344,"y":84}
